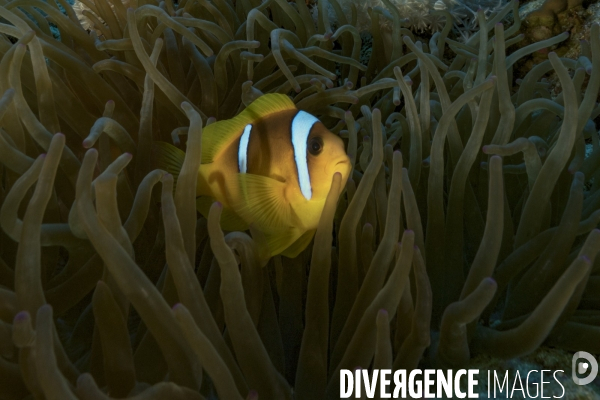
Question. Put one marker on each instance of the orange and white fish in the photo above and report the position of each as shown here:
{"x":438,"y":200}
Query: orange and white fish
{"x":270,"y":166}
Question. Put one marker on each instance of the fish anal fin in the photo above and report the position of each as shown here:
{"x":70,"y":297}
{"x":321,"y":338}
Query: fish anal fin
{"x":299,"y":245}
{"x":203,"y":204}
{"x":218,"y":135}
{"x":230,"y":221}
{"x":279,"y":241}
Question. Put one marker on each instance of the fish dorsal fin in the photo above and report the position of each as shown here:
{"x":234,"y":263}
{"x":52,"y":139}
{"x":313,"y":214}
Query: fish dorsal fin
{"x":169,"y":158}
{"x":262,"y":202}
{"x":230,"y":221}
{"x":299,"y":245}
{"x":219,"y":134}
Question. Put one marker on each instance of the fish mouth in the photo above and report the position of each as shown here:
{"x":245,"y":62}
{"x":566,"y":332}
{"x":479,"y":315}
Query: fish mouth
{"x":343,"y":167}
{"x":344,"y":161}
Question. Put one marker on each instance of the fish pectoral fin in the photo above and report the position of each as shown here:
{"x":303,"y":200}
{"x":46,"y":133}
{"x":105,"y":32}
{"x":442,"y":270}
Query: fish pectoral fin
{"x":230,"y":221}
{"x":262,"y":201}
{"x":299,"y":245}
{"x":168,"y":158}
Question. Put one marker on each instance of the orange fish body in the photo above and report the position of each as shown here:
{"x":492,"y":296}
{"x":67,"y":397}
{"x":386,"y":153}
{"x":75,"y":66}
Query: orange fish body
{"x":270,"y":166}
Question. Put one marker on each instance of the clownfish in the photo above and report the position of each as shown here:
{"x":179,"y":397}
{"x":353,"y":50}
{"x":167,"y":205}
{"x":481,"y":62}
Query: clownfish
{"x":270,"y":166}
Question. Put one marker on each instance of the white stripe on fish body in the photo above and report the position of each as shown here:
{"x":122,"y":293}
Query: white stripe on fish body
{"x":243,"y":149}
{"x":301,"y":126}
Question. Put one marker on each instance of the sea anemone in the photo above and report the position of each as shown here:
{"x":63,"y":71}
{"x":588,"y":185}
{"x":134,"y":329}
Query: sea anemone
{"x":112,"y":286}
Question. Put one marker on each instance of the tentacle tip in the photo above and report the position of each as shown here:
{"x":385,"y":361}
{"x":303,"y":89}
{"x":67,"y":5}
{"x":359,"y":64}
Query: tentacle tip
{"x":177,"y":306}
{"x":83,"y":379}
{"x":382,"y":311}
{"x":586,"y":259}
{"x":21,"y":316}
{"x":490,"y":281}
{"x":45,"y":307}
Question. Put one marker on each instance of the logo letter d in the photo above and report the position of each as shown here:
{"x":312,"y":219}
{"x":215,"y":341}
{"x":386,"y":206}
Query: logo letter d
{"x":584,"y":367}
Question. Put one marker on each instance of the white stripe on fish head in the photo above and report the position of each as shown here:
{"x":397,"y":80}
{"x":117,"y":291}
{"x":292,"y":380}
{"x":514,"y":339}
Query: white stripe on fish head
{"x":243,"y":149}
{"x":301,"y":126}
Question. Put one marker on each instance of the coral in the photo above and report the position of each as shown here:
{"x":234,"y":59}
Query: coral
{"x":552,"y":17}
{"x":547,"y":15}
{"x":467,"y":229}
{"x":423,"y":15}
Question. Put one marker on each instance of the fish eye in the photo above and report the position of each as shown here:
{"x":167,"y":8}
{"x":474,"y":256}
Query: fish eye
{"x":315,"y":146}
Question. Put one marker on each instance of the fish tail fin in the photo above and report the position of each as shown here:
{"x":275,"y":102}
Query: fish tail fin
{"x":168,"y":158}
